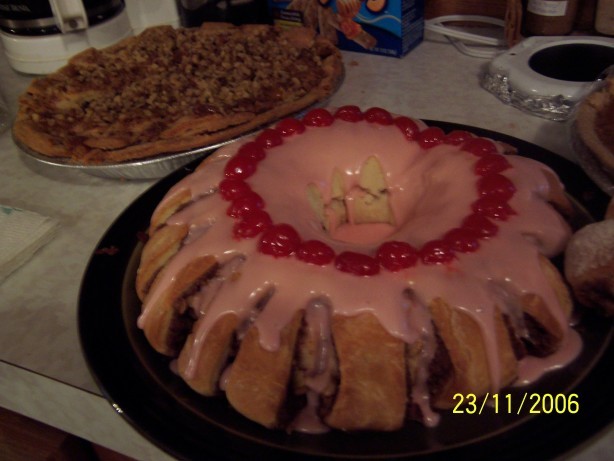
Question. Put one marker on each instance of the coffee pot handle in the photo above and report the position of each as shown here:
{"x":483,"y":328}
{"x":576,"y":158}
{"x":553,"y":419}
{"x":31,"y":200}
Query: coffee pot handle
{"x":70,"y":15}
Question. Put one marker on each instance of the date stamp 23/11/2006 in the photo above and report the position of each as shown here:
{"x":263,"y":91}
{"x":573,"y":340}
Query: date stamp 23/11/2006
{"x":517,"y":404}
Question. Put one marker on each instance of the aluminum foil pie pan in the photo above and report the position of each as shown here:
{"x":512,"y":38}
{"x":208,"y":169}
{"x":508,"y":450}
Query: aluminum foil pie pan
{"x":152,"y":168}
{"x":542,"y":76}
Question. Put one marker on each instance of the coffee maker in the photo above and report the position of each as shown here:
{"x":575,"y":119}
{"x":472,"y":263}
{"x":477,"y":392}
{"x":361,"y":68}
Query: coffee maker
{"x":39,"y":36}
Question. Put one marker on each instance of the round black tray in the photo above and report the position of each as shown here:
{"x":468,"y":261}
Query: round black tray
{"x":140,"y":385}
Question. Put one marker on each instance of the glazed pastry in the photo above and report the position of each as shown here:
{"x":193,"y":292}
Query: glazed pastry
{"x":589,"y":263}
{"x":594,"y":123}
{"x":351,"y":270}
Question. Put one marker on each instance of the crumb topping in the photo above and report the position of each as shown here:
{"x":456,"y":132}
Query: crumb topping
{"x":135,"y":90}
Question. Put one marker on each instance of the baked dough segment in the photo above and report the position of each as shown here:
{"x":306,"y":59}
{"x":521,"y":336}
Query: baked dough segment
{"x":316,"y":368}
{"x":257,"y":384}
{"x":464,"y":341}
{"x":160,"y":248}
{"x":535,"y":306}
{"x":165,"y":323}
{"x":557,"y":196}
{"x":169,"y":208}
{"x":372,"y":391}
{"x":203,"y":375}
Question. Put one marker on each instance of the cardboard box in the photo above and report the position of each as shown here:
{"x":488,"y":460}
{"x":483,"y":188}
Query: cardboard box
{"x":386,"y":27}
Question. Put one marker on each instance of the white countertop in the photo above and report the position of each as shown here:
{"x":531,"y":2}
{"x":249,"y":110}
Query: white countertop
{"x":42,"y":371}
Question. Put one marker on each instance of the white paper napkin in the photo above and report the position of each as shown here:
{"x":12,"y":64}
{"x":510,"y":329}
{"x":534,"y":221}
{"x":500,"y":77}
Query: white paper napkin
{"x":22,"y":233}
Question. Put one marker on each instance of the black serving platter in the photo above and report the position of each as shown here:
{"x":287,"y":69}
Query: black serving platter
{"x":140,"y":385}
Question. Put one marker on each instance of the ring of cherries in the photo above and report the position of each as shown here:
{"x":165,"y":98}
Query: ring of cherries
{"x":248,"y":209}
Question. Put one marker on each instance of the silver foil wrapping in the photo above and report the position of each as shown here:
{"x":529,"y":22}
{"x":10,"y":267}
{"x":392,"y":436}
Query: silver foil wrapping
{"x":551,"y":107}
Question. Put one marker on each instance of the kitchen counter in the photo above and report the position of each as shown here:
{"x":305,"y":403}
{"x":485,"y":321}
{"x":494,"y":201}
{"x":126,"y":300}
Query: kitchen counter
{"x":43,"y":374}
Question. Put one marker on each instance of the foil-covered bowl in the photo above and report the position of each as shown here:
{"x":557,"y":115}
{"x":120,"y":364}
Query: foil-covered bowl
{"x":547,"y":76}
{"x":552,"y":107}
